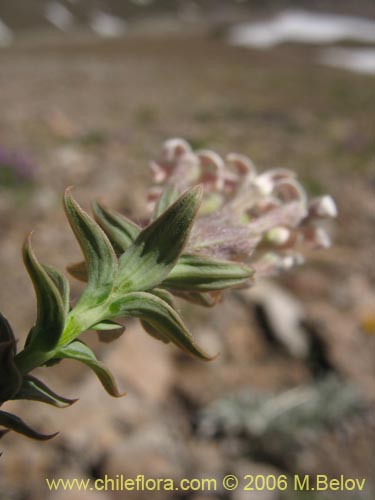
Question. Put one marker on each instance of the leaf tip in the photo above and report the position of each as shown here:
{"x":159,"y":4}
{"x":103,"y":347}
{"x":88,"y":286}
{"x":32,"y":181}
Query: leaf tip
{"x":197,"y":193}
{"x":46,"y":437}
{"x":27,"y":251}
{"x":67,"y":197}
{"x":204,"y":356}
{"x":27,"y":241}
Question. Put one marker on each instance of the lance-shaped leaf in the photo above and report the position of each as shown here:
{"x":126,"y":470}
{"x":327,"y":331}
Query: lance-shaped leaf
{"x":50,"y":307}
{"x":14,"y":423}
{"x":35,"y":390}
{"x":153,"y":332}
{"x":62,"y":284}
{"x":199,"y":273}
{"x":81,"y":352}
{"x":168,"y":196}
{"x":10,"y":377}
{"x":162,"y":318}
{"x":155,"y":251}
{"x":121,"y":231}
{"x":164,"y":295}
{"x":108,"y":330}
{"x":99,"y":255}
{"x":148,"y":328}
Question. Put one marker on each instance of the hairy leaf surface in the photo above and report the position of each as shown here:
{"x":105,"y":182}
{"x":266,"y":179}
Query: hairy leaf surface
{"x":161,"y":317}
{"x":81,"y":352}
{"x":155,"y":251}
{"x":100,"y":258}
{"x":50,"y":307}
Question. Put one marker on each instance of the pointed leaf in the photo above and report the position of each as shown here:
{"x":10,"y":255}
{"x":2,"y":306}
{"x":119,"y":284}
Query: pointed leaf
{"x":164,"y":295}
{"x":62,"y":284}
{"x":148,"y":328}
{"x":81,"y":352}
{"x":50,"y":308}
{"x":121,"y":231}
{"x":168,"y":196}
{"x":168,"y":298}
{"x":162,"y":318}
{"x":155,"y":251}
{"x":14,"y":423}
{"x":35,"y":390}
{"x":99,"y":255}
{"x":199,"y":273}
{"x":108,"y":330}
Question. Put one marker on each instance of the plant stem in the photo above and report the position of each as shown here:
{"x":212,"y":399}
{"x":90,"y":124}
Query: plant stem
{"x":28,"y":359}
{"x":77,"y":323}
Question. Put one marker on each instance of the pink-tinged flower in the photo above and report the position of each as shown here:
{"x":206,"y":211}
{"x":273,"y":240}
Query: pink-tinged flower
{"x":263,"y":218}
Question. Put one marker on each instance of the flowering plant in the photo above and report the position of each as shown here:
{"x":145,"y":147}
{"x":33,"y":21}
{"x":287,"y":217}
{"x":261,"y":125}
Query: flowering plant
{"x":209,"y":220}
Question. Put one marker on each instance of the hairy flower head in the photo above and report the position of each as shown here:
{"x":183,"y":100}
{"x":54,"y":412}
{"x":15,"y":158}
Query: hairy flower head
{"x":246,"y":215}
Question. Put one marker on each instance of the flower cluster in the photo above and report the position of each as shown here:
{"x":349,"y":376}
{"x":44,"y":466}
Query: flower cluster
{"x":265,"y":217}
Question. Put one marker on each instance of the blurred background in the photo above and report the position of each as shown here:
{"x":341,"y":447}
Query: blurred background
{"x":89,"y":90}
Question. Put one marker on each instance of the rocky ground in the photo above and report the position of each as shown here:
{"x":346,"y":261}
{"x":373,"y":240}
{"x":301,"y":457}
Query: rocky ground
{"x":92,"y":114}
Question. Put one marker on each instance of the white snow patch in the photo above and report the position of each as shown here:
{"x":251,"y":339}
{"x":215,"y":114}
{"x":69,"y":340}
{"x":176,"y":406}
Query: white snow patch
{"x":302,"y":26}
{"x":107,"y":25}
{"x":58,"y":15}
{"x":359,"y":60}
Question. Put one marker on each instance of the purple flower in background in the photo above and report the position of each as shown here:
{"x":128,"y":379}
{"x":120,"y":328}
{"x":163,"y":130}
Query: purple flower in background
{"x":16,"y":167}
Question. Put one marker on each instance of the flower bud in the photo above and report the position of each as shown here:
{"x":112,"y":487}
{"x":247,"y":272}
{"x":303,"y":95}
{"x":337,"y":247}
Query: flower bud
{"x":317,"y":237}
{"x":241,"y":163}
{"x":279,"y":236}
{"x":174,"y":148}
{"x":323,"y":207}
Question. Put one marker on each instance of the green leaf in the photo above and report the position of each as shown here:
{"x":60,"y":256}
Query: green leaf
{"x":121,"y":231}
{"x":35,"y":390}
{"x":155,"y":251}
{"x":62,"y":284}
{"x":164,"y":295}
{"x":107,"y":325}
{"x":108,"y":330}
{"x":148,"y":328}
{"x":81,"y":352}
{"x":14,"y":423}
{"x":6,"y":332}
{"x":199,"y":273}
{"x":99,"y":255}
{"x":50,"y":307}
{"x":168,"y":196}
{"x":160,"y":316}
{"x":153,"y":332}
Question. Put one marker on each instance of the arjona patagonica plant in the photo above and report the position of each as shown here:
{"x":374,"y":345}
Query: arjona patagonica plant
{"x":214,"y":225}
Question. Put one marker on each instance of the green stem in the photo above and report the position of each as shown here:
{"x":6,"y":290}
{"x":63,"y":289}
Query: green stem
{"x":77,"y":322}
{"x":29,"y":358}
